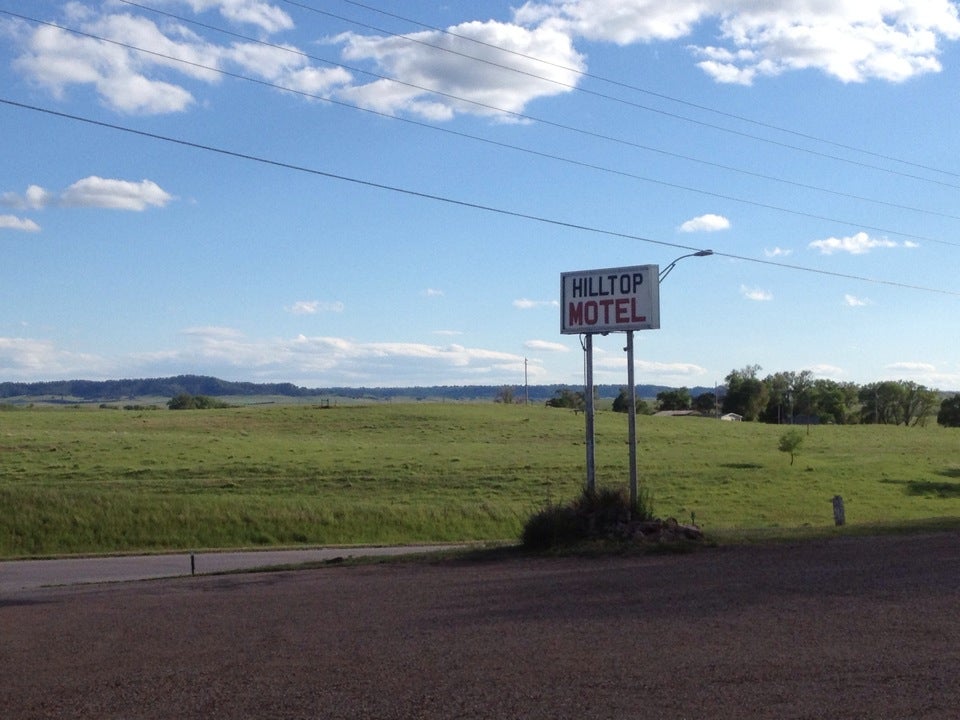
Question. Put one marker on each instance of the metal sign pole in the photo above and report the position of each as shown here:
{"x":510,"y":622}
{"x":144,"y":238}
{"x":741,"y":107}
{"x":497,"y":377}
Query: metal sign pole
{"x":632,"y":421}
{"x":589,"y":411}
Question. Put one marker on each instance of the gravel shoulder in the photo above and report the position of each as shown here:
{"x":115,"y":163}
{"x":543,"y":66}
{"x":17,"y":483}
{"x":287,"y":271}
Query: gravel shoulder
{"x":840,"y":628}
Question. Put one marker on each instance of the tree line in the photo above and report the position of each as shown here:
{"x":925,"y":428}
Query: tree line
{"x":798,"y":397}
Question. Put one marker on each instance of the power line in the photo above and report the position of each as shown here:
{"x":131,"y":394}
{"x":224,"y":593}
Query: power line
{"x":453,"y":201}
{"x":529,"y":151}
{"x":646,"y":91}
{"x":575,"y":88}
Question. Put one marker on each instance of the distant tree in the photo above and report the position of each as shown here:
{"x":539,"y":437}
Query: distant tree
{"x":678,"y":399}
{"x":621,"y":403}
{"x":893,"y":402}
{"x":917,"y":403}
{"x":746,"y":393}
{"x":505,"y":395}
{"x":182,"y":401}
{"x":186,"y":401}
{"x":780,"y":399}
{"x":949,"y":415}
{"x":836,"y":402}
{"x":790,"y":442}
{"x":705,"y":403}
{"x":565,"y":398}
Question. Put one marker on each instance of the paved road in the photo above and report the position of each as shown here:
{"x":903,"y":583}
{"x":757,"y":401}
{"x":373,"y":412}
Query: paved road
{"x":23,"y":575}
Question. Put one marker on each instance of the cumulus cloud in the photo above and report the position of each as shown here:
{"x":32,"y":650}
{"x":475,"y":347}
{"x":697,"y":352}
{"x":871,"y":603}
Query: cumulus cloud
{"x":527,"y":304}
{"x":924,"y":373}
{"x":433,"y":292}
{"x":481,"y":68}
{"x":850,"y":41}
{"x":114,"y":194}
{"x":323,"y":360}
{"x":545,"y":346}
{"x":756,"y":294}
{"x":30,"y":359}
{"x":912,"y":367}
{"x":612,"y":366}
{"x":491,"y":67}
{"x":705,"y":223}
{"x":777,"y":252}
{"x":34,"y":198}
{"x":854,"y":301}
{"x":93,"y":192}
{"x":12,"y":222}
{"x":858,"y":244}
{"x":312,"y":307}
{"x":824,"y":370}
{"x":264,"y":15}
{"x":155,"y":81}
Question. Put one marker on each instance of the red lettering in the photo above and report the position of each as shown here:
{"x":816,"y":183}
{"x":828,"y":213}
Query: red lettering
{"x":590,"y":312}
{"x":623,"y":310}
{"x":605,"y":304}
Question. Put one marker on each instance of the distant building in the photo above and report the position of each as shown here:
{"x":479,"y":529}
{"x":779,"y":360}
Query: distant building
{"x":676,"y":413}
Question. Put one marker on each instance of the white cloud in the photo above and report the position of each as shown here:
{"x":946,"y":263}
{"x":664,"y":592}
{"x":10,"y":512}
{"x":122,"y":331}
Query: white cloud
{"x":30,"y":359}
{"x":34,"y":198}
{"x":129,"y":81}
{"x":324,"y":361}
{"x":756,"y":294}
{"x":545,"y":346}
{"x":433,"y":292}
{"x":824,"y":370}
{"x":312,"y":307}
{"x":612,"y":368}
{"x":854,"y":301}
{"x":93,"y":192}
{"x":705,"y":223}
{"x":858,"y":244}
{"x":487,"y":86}
{"x":12,"y":222}
{"x":114,"y":194}
{"x":850,"y":41}
{"x":266,"y":16}
{"x":912,"y":368}
{"x":924,"y":373}
{"x":527,"y":304}
{"x":777,"y":252}
{"x":620,"y":21}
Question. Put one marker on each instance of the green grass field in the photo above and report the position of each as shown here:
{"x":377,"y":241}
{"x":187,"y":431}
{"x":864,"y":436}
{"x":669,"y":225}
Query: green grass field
{"x":88,"y":480}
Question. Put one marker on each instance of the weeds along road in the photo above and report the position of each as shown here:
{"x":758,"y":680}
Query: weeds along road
{"x":845,"y":628}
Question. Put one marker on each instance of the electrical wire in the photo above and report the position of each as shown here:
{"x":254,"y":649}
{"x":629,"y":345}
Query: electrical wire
{"x":645,"y":91}
{"x":666,"y":113}
{"x":529,"y":151}
{"x":453,"y":201}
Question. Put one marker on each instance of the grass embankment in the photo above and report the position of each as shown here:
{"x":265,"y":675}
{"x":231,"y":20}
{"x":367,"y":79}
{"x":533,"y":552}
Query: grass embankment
{"x":85,"y":480}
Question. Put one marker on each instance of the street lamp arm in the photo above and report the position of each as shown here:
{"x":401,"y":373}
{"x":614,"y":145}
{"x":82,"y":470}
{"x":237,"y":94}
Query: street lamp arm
{"x":668,"y":268}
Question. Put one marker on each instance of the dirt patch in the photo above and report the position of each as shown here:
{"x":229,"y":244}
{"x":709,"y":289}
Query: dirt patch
{"x":845,"y":628}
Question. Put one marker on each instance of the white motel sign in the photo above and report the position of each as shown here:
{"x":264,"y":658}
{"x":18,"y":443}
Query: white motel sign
{"x":610,"y":300}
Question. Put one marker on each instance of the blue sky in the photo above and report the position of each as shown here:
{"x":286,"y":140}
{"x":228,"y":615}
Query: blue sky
{"x":314,"y":192}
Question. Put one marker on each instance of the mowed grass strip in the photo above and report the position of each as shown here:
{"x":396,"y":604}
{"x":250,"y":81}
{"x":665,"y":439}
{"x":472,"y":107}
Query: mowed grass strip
{"x":87,"y":480}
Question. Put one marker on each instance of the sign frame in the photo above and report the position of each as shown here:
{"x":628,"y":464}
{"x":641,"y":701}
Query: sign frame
{"x":610,"y":300}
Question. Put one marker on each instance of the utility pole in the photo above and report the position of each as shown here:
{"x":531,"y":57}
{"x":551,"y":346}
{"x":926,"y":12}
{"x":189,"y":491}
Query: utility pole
{"x":526,"y":385}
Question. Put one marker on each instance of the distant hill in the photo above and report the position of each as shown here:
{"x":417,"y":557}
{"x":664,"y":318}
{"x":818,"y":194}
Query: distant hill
{"x":121,"y":390}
